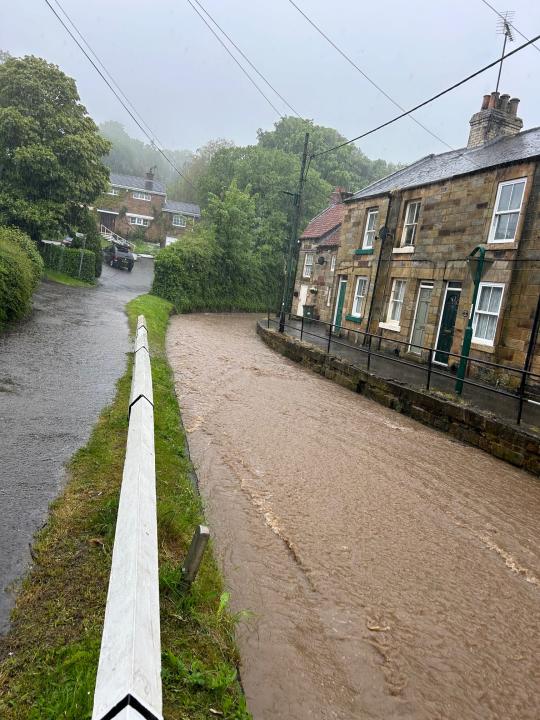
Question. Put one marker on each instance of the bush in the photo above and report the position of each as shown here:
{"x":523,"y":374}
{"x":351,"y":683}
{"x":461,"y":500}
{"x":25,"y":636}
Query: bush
{"x":28,"y":246}
{"x":20,"y":270}
{"x":67,"y":260}
{"x":92,"y":243}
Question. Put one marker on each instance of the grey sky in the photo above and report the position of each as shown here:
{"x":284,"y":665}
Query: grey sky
{"x":189,"y":90}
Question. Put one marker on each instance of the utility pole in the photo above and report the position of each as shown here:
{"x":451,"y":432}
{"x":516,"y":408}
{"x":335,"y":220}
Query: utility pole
{"x":292,"y":255}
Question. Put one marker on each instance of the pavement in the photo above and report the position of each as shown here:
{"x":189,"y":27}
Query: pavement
{"x":58,"y":370}
{"x":391,"y":367}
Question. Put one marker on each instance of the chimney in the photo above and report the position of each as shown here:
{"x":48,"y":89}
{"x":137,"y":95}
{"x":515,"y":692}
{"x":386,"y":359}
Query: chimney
{"x":497,"y":118}
{"x":149,"y":182}
{"x":339,"y":195}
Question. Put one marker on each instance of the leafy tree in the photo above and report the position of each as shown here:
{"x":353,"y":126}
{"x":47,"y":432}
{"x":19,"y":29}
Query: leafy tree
{"x":50,"y":148}
{"x":194,"y":170}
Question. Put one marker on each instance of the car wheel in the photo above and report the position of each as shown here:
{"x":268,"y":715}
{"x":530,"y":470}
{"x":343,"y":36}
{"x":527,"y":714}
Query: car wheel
{"x":130,"y":267}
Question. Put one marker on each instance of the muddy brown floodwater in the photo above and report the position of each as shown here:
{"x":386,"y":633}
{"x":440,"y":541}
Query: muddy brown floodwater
{"x":390,"y":572}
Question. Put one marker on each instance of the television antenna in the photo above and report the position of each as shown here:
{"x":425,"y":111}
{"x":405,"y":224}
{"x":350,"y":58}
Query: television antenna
{"x":504,"y":27}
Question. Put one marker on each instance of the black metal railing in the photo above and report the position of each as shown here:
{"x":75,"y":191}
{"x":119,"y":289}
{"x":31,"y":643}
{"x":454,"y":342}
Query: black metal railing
{"x":520,"y":385}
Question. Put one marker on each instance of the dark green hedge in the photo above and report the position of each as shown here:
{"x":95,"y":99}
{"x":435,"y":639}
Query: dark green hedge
{"x":20,"y":270}
{"x":67,"y":260}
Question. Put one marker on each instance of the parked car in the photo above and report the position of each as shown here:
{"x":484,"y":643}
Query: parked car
{"x":119,"y":256}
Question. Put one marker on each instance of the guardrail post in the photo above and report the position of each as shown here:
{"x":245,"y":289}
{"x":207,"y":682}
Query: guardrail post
{"x":193,"y":560}
{"x":302,"y":328}
{"x":522,"y":384}
{"x":369,"y":353}
{"x":329,"y":339}
{"x":129,"y":670}
{"x":430,"y":364}
{"x":268,"y":319}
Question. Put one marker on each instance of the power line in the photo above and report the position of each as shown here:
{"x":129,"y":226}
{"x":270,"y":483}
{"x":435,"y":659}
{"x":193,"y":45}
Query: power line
{"x":201,"y":6}
{"x":502,"y":17}
{"x":365,"y":75}
{"x":431,"y":99}
{"x":115,"y":93}
{"x":242,"y":68}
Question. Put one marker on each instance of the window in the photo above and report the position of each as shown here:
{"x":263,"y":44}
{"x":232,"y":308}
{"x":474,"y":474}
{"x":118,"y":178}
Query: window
{"x":333,"y":263}
{"x":486,"y":314}
{"x":396,"y":302}
{"x":359,"y":297}
{"x":113,"y":191}
{"x":507,"y":209}
{"x":142,"y":196}
{"x":179,"y":221}
{"x":143,"y":222}
{"x":411,"y":223}
{"x":308,"y":265}
{"x":369,"y":232}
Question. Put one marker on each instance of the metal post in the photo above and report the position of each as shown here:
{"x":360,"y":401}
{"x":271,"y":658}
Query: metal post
{"x":193,"y":560}
{"x":521,"y":395}
{"x":302,"y":328}
{"x":369,"y":353}
{"x":430,"y":361}
{"x":329,"y":339}
{"x":467,"y":338}
{"x":82,"y":255}
{"x":268,"y":319}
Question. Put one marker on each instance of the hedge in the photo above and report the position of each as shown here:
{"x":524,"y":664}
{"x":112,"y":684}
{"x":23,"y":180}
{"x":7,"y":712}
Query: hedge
{"x":20,"y":270}
{"x":67,"y":260}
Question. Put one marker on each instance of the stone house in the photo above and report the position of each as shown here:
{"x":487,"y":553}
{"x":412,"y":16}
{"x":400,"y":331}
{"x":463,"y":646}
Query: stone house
{"x":404,"y":266}
{"x":317,"y":258}
{"x":140,"y":204}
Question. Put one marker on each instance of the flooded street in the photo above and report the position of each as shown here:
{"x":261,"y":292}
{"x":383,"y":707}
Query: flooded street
{"x":58,"y":369}
{"x":388,"y":570}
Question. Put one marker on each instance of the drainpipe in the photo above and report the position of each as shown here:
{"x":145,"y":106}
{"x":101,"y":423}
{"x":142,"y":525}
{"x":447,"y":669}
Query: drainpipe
{"x":370,"y":313}
{"x":467,"y":338}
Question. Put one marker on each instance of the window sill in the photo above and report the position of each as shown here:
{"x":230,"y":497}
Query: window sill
{"x":353,"y":318}
{"x":496,"y":245}
{"x":482,"y":346}
{"x":364,"y":251}
{"x":405,"y":250}
{"x":394,"y":327}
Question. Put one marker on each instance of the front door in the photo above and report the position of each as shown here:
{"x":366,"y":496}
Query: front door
{"x":302,"y":297}
{"x":420,"y":318}
{"x":107,"y":219}
{"x":340,"y":301}
{"x":447,"y":322}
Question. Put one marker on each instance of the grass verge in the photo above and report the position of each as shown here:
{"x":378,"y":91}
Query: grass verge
{"x":48,"y":661}
{"x":60,"y":277}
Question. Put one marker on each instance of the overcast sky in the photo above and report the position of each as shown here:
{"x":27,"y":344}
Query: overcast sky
{"x":189,"y":90}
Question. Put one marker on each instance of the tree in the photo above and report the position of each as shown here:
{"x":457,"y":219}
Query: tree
{"x":185,"y":188}
{"x":50,"y":149}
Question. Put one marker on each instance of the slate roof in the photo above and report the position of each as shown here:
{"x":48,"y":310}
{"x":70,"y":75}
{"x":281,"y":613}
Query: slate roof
{"x":325,"y":221}
{"x":133,"y":182}
{"x":435,"y":168}
{"x":182,"y":207}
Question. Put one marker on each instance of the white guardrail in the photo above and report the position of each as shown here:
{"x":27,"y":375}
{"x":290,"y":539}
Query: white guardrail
{"x":128,"y":684}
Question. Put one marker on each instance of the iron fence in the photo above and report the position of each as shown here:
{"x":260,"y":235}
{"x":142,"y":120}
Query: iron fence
{"x":521,"y":386}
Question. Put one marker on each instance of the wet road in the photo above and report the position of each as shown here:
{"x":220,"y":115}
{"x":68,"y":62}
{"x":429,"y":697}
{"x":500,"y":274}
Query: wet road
{"x":391,"y":572}
{"x":57,"y":371}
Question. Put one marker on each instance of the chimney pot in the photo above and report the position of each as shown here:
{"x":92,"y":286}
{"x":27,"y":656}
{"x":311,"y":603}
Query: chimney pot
{"x":513,"y":106}
{"x":503,"y":104}
{"x":495,"y":120}
{"x":485,"y":102}
{"x":494,"y":100}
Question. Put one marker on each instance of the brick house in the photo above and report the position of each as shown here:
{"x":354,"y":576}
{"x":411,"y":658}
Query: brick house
{"x":404,"y":269}
{"x":135,"y":203}
{"x":317,"y":258}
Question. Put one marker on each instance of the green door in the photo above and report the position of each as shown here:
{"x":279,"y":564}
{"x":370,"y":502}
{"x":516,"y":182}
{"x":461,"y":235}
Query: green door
{"x":448,"y":322}
{"x":338,"y":315}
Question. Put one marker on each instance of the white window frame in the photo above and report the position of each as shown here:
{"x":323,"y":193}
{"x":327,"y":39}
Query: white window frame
{"x":139,"y":221}
{"x":411,"y":222}
{"x":140,"y":195}
{"x":370,"y":230}
{"x":396,"y":299}
{"x":182,"y":222}
{"x":499,"y":213}
{"x":113,"y":191}
{"x":360,"y":295}
{"x":308,"y":267}
{"x":332,"y":263}
{"x":477,"y":313}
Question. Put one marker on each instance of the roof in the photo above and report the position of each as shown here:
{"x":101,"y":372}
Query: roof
{"x":325,"y":221}
{"x":435,"y":168}
{"x":331,"y":240}
{"x":173,"y":206}
{"x":133,"y":182}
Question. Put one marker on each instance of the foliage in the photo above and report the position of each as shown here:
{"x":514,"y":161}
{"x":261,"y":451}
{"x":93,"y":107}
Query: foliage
{"x":50,"y":148}
{"x":48,"y":661}
{"x":68,"y":261}
{"x":20,"y":271}
{"x":186,"y":188}
{"x":91,"y":241}
{"x":129,"y":156}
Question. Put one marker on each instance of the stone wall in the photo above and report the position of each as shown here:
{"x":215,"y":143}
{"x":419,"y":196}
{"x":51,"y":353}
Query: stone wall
{"x":499,"y":438}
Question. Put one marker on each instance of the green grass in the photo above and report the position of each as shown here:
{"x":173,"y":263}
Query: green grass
{"x":48,"y":661}
{"x":64,"y":279}
{"x":147,"y":248}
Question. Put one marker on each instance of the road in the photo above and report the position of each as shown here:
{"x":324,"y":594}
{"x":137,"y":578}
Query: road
{"x":57,"y":371}
{"x":388,"y":570}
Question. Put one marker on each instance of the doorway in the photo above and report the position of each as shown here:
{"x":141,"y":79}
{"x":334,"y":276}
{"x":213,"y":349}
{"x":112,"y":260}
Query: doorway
{"x":420,"y":317}
{"x":447,"y":322}
{"x":340,"y":301}
{"x":302,"y":297}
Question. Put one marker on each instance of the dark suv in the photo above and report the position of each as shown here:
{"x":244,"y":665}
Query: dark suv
{"x":119,"y":256}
